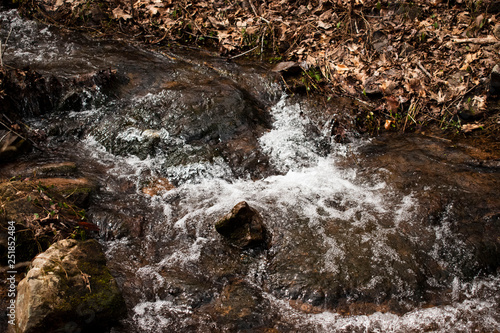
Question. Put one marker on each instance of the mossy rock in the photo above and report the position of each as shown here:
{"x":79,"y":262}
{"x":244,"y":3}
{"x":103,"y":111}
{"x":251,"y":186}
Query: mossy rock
{"x":69,"y":287}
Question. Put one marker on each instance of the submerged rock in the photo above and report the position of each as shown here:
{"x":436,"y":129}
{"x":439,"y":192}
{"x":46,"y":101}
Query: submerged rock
{"x":243,"y":227}
{"x":241,"y":307}
{"x":69,"y":288}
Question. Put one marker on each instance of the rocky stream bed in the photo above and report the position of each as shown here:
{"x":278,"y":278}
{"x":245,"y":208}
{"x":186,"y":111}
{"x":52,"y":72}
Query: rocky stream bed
{"x":174,"y":191}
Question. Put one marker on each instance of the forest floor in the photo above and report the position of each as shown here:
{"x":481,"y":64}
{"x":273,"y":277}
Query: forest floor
{"x":410,"y":65}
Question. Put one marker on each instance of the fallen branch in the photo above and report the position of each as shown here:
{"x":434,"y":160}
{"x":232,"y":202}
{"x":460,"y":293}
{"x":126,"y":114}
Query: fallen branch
{"x":487,"y":40}
{"x":253,"y":8}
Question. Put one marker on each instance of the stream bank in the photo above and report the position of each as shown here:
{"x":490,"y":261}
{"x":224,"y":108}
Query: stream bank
{"x":413,"y":66}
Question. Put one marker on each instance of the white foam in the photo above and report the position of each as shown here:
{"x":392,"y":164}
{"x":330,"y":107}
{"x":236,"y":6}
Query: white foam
{"x":477,"y":313}
{"x":288,"y":144}
{"x":312,"y":187}
{"x":150,"y":316}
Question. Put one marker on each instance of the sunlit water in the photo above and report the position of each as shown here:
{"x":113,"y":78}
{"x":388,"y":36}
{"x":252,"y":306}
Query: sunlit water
{"x":342,"y":232}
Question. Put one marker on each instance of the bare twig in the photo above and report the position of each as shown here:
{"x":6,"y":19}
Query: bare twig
{"x":2,"y":46}
{"x":262,"y":44}
{"x":19,"y":135}
{"x":8,"y":36}
{"x":422,"y":68}
{"x":242,"y":54}
{"x":487,"y":40}
{"x":436,"y":137}
{"x":253,"y":8}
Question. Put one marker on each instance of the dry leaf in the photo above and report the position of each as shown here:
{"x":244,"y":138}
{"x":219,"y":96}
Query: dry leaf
{"x":471,"y":127}
{"x":341,"y":68}
{"x":324,"y":25}
{"x":387,"y":124}
{"x":118,"y":13}
{"x":440,"y":98}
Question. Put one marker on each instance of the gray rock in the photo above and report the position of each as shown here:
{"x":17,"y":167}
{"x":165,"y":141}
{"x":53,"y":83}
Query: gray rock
{"x":69,"y":287}
{"x":242,"y":227}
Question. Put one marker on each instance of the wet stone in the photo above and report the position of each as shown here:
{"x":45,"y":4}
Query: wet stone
{"x":76,"y":191}
{"x":241,"y":307}
{"x":243,"y":227}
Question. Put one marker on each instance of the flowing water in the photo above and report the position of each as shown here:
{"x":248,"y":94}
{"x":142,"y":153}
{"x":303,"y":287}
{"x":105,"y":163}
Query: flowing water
{"x":393,"y":234}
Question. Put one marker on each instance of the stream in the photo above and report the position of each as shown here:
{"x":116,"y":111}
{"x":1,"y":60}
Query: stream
{"x":389,"y":234}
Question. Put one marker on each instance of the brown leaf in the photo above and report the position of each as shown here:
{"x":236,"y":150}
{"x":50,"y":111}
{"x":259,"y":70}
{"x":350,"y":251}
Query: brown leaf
{"x":118,"y":13}
{"x":471,"y":127}
{"x":324,"y":25}
{"x":387,"y":124}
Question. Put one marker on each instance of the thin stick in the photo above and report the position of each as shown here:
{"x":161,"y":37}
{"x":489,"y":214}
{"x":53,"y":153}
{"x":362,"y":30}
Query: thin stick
{"x":262,"y":44}
{"x":422,"y":68}
{"x":253,"y":8}
{"x":487,"y":40}
{"x":8,"y":36}
{"x":241,"y":54}
{"x":3,"y":137}
{"x":19,"y":135}
{"x":2,"y":46}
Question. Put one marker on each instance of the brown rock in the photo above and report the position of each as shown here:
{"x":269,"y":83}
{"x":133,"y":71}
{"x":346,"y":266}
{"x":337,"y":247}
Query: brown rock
{"x":158,"y":185}
{"x":69,"y":287}
{"x":242,"y":227}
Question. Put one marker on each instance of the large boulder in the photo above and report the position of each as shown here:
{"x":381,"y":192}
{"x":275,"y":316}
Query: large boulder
{"x":69,"y":288}
{"x":243,"y":227}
